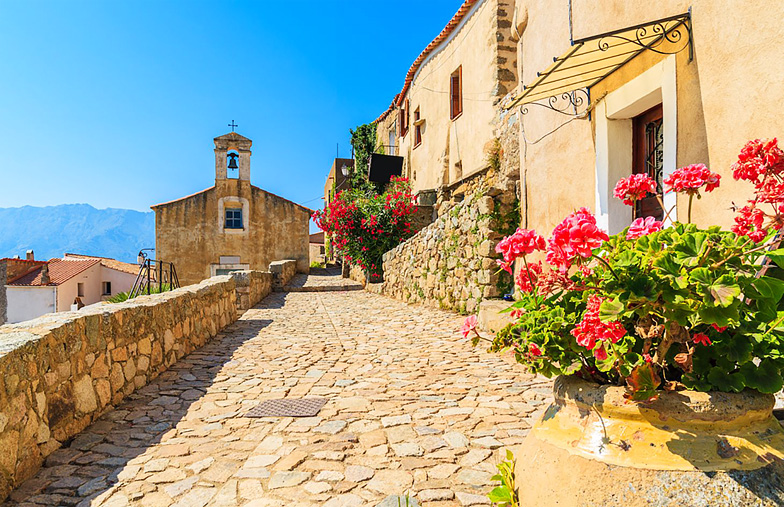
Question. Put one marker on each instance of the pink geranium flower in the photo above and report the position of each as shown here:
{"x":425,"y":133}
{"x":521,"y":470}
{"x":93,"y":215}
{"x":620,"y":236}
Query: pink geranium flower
{"x":643,"y":227}
{"x":576,"y":236}
{"x":469,"y":325}
{"x":522,"y":242}
{"x":634,"y":188}
{"x":691,"y":178}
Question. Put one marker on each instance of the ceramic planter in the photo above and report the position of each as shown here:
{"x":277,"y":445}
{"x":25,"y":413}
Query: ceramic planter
{"x":592,"y":447}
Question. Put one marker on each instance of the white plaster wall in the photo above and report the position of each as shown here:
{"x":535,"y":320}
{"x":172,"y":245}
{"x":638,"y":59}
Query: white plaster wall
{"x":67,"y":291}
{"x":121,"y":281}
{"x":25,"y":303}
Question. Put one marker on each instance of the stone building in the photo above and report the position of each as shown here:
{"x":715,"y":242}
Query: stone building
{"x":317,"y":250}
{"x":647,"y":102}
{"x":460,"y":151}
{"x":445,"y":120}
{"x":232,"y":225}
{"x":336,"y":182}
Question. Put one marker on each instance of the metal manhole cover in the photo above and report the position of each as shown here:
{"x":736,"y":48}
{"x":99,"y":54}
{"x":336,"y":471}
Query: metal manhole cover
{"x":288,"y":407}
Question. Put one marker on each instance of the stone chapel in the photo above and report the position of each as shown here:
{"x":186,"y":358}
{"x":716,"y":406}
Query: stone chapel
{"x":232,"y":225}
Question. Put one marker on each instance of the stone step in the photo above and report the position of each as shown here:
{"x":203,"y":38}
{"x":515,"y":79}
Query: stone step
{"x":320,"y":288}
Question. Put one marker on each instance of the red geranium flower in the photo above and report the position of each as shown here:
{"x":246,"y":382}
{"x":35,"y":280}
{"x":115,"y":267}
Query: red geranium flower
{"x":534,"y":349}
{"x":700,"y":338}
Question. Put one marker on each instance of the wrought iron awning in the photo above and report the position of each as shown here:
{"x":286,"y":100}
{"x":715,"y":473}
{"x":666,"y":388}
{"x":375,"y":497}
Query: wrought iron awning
{"x":564,"y":86}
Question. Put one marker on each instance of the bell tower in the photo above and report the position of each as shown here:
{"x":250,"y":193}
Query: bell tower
{"x":232,"y":150}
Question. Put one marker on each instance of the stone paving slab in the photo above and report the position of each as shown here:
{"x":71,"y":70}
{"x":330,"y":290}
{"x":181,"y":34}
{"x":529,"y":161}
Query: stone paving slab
{"x":412,"y":407}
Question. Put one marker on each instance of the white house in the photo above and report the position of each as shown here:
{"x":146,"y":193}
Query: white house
{"x":54,"y":285}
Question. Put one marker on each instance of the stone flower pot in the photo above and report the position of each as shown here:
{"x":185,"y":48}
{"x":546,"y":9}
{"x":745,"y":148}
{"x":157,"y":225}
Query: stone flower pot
{"x":592,"y":447}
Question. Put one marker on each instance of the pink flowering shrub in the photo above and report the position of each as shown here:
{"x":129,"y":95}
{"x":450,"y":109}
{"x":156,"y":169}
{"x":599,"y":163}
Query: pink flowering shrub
{"x":363,"y":225}
{"x":653,"y":307}
{"x":761,"y":163}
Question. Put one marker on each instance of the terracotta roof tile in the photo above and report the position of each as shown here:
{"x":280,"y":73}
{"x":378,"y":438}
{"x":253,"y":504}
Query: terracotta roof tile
{"x":124,"y":267}
{"x":60,"y":271}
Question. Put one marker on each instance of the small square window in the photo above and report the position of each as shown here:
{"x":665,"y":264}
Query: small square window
{"x":107,"y":288}
{"x":233,"y":218}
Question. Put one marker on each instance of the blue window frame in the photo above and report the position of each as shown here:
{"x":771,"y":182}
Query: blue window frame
{"x":233,"y":218}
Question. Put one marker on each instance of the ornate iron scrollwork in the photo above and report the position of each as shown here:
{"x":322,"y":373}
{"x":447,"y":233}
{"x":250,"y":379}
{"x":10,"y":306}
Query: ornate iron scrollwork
{"x":653,"y":36}
{"x":573,"y":103}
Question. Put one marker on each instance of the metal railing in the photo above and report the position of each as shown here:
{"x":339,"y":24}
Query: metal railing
{"x":154,"y":277}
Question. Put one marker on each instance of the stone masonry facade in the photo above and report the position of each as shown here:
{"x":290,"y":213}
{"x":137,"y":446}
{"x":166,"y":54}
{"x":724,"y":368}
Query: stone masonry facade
{"x":451,"y":263}
{"x":62,"y":371}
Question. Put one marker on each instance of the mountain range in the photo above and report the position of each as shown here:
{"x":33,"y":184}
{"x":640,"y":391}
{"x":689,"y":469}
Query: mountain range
{"x":52,"y":231}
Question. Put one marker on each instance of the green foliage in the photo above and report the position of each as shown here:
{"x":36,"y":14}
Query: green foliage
{"x":118,"y":298}
{"x":363,"y":139}
{"x":667,"y":290}
{"x":123,"y":296}
{"x":505,"y":495}
{"x":316,"y":264}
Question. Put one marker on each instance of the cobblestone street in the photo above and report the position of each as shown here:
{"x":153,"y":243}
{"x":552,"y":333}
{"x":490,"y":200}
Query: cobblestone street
{"x":411,"y":407}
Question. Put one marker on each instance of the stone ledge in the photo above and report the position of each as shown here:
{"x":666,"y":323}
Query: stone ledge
{"x":490,"y":320}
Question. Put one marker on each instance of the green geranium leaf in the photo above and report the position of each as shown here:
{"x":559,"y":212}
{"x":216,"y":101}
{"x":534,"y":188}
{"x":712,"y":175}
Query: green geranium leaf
{"x":765,"y":378}
{"x":701,"y":276}
{"x":611,"y":310}
{"x":727,"y":382}
{"x":643,"y":382}
{"x":769,"y":288}
{"x":736,"y":349}
{"x":724,"y":292}
{"x":667,"y":264}
{"x":719,"y":315}
{"x":776,"y":256}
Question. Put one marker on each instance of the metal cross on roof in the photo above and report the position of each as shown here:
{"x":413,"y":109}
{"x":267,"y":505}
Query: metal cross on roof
{"x":233,"y":125}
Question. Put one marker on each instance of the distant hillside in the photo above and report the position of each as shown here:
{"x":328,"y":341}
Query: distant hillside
{"x":77,"y":228}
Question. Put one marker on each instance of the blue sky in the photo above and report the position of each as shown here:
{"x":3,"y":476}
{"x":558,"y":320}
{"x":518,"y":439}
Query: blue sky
{"x":115,"y":103}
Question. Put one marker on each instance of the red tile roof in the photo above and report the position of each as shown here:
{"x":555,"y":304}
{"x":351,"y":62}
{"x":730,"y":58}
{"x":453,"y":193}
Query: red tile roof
{"x":453,"y":23}
{"x":60,"y":271}
{"x":124,"y":267}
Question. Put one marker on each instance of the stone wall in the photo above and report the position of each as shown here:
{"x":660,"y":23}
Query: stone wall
{"x":251,"y":287}
{"x":62,"y":371}
{"x":282,"y":272}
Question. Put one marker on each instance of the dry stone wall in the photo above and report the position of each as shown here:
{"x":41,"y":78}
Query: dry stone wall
{"x":282,"y":273}
{"x":62,"y":371}
{"x":452,"y":262}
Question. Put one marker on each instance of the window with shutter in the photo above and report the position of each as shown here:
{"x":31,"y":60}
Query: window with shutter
{"x":456,"y":93}
{"x":417,"y":129}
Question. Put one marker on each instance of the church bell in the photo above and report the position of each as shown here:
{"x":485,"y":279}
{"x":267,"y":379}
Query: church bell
{"x":233,"y":161}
